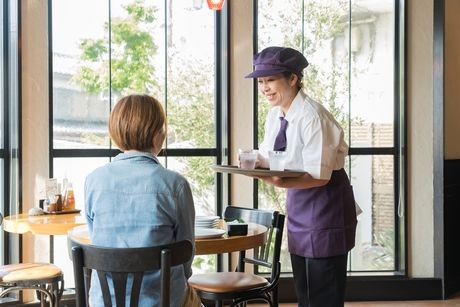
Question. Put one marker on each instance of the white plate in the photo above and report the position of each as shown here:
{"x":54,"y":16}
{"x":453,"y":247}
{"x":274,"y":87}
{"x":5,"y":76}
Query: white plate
{"x":208,"y":233}
{"x":203,"y":218}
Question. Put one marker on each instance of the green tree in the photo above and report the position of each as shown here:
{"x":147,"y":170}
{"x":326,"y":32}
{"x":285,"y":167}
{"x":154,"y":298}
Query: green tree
{"x":129,"y":63}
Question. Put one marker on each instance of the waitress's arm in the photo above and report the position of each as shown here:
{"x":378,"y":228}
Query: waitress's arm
{"x":303,"y":182}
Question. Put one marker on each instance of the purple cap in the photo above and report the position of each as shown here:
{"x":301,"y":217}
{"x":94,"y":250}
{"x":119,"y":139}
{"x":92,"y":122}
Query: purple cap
{"x":275,"y":60}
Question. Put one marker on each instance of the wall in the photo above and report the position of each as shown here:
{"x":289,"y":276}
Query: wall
{"x":35,"y":152}
{"x":420,"y":137}
{"x":241,"y":94}
{"x":34,"y":48}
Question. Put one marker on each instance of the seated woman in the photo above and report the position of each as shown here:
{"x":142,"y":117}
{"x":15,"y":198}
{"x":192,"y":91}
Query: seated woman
{"x":135,"y":202}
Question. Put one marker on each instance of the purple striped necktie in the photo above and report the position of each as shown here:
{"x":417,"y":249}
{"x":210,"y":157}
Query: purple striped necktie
{"x":280,"y":141}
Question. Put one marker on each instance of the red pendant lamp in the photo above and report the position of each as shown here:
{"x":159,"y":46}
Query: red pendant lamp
{"x":215,"y":4}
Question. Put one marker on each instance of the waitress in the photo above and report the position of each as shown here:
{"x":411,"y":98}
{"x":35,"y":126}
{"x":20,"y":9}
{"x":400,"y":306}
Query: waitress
{"x":320,"y":204}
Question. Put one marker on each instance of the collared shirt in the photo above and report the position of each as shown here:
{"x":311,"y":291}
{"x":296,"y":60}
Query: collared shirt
{"x":135,"y":202}
{"x":315,"y":141}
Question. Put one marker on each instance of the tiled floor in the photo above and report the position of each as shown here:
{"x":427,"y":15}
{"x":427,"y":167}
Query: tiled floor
{"x":454,"y":301}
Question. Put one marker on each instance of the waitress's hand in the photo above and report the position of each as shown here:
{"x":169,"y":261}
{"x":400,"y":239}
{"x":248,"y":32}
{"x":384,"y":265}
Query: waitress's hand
{"x":273,"y":180}
{"x":303,"y":182}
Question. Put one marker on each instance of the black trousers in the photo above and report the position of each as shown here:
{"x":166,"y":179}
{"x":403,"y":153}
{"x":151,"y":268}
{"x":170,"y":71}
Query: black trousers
{"x":320,"y":282}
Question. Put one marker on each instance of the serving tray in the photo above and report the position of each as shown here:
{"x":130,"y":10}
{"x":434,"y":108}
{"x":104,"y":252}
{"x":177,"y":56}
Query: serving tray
{"x":263,"y":172}
{"x":63,"y":211}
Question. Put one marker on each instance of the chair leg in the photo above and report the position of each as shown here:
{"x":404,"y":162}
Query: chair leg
{"x":43,"y":294}
{"x":43,"y":300}
{"x":56,"y":289}
{"x":275,"y":297}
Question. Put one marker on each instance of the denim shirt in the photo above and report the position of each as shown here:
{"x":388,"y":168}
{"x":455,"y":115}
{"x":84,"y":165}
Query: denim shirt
{"x":135,"y":202}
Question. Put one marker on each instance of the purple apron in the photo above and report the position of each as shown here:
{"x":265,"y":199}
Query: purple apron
{"x":322,"y":220}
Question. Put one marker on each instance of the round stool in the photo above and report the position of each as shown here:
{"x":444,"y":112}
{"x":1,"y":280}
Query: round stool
{"x":47,"y":279}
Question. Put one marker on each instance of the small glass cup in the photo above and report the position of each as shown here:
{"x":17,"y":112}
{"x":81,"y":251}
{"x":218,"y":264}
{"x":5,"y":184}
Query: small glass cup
{"x":277,"y":160}
{"x":248,"y":158}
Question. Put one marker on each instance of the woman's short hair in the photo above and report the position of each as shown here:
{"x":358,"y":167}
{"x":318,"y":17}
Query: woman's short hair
{"x":288,"y":74}
{"x":135,"y":121}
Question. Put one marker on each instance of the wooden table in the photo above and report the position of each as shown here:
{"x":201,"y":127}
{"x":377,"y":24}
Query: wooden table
{"x":46,"y":224}
{"x":75,"y":225}
{"x":256,"y":237}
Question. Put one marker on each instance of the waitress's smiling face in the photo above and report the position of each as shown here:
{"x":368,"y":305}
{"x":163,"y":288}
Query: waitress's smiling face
{"x":279,"y":89}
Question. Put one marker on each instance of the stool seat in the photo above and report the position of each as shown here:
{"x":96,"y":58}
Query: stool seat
{"x":45,"y":278}
{"x":224,"y":282}
{"x":12,"y":273}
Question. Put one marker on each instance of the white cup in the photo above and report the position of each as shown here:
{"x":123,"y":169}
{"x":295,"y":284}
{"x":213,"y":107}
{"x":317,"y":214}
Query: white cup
{"x":277,"y":160}
{"x":247,"y":158}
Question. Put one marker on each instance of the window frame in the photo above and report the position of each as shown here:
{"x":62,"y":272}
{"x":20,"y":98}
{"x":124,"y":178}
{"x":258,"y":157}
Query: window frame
{"x":10,"y":152}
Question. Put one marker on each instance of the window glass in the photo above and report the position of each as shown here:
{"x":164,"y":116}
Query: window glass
{"x":190,"y":76}
{"x":80,"y":73}
{"x":350,"y":49}
{"x":368,"y":45}
{"x":76,"y":170}
{"x":201,"y":178}
{"x":372,"y":177}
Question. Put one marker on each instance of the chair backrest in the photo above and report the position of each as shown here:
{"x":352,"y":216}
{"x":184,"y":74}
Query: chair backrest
{"x":268,"y":255}
{"x":124,"y":264}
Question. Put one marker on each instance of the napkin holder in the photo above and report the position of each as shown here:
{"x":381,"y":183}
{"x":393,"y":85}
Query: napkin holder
{"x":236,"y":228}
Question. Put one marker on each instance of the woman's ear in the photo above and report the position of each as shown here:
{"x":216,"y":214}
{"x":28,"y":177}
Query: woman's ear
{"x":293,"y":80}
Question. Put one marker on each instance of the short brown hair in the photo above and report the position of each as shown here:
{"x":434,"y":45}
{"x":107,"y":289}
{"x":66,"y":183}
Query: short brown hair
{"x":135,"y":121}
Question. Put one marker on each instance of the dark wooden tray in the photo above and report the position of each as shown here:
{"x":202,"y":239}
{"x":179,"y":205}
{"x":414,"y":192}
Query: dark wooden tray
{"x":63,"y":211}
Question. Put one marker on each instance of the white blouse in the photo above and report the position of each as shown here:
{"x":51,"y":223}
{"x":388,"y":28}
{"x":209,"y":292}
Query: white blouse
{"x":315,"y":140}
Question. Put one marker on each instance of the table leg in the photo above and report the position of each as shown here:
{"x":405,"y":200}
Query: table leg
{"x":51,"y":248}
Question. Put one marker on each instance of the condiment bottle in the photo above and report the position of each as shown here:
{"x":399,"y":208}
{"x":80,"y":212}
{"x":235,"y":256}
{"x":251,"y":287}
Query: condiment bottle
{"x":58,"y":200}
{"x":69,"y":198}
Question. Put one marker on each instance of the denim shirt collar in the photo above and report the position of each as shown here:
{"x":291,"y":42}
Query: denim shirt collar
{"x":137,"y":155}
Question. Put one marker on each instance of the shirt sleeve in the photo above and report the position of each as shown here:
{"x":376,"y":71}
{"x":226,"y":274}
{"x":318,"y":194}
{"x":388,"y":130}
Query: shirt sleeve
{"x":88,"y":206}
{"x":185,"y":228}
{"x":321,"y":143}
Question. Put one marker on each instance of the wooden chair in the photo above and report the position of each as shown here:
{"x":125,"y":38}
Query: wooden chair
{"x":122,"y":263}
{"x":240,"y":287}
{"x":45,"y":278}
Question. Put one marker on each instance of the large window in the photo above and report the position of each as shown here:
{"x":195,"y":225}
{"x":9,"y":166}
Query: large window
{"x":103,"y":50}
{"x":353,"y":49}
